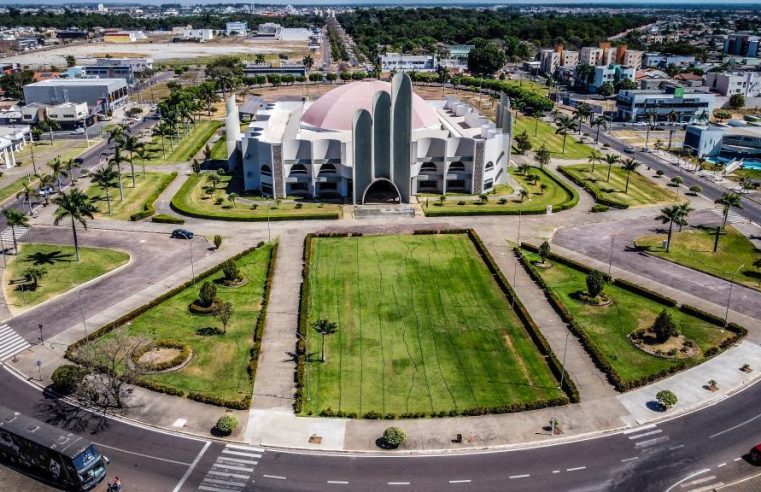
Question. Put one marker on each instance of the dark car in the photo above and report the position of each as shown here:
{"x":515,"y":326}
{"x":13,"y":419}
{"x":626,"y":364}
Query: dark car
{"x":755,"y":454}
{"x":79,"y":161}
{"x":182,"y":234}
{"x":629,"y":150}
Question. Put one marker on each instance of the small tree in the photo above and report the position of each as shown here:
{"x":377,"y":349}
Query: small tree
{"x":523,"y":142}
{"x":67,"y":378}
{"x":544,"y":251}
{"x":542,"y":188}
{"x":664,"y":327}
{"x":226,"y":425}
{"x":542,"y":156}
{"x":324,"y":327}
{"x":208,"y":294}
{"x":217,"y":241}
{"x":224,"y":314}
{"x":231,"y":270}
{"x":196,"y":166}
{"x":697,"y":189}
{"x":737,"y":101}
{"x":483,"y":197}
{"x":34,"y":274}
{"x":393,"y":437}
{"x":666,"y":398}
{"x":524,"y":194}
{"x":595,"y":283}
{"x":677,"y":180}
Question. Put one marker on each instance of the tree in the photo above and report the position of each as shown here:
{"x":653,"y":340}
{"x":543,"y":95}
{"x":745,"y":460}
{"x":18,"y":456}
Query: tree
{"x":670,"y":215}
{"x":259,"y":60}
{"x":117,"y":160}
{"x":132,"y":144}
{"x":542,"y":156}
{"x":331,"y":76}
{"x":594,"y":157}
{"x":231,"y":270}
{"x":684,"y":211}
{"x":393,"y":437}
{"x":664,"y":327}
{"x":232,"y":197}
{"x":15,"y":218}
{"x":721,"y":115}
{"x":57,"y":169}
{"x":71,"y":61}
{"x":217,"y":241}
{"x":522,"y":142}
{"x":606,"y":89}
{"x":34,"y":274}
{"x":565,"y":125}
{"x":601,"y":123}
{"x":105,"y":177}
{"x":196,"y":166}
{"x":485,"y":58}
{"x":67,"y":378}
{"x":523,"y":194}
{"x":595,"y":283}
{"x":208,"y":294}
{"x":544,"y":251}
{"x":697,"y":189}
{"x":324,"y":327}
{"x":610,"y":159}
{"x":736,"y":101}
{"x":308,"y":62}
{"x":116,"y":133}
{"x":77,"y":206}
{"x":727,"y":201}
{"x":582,"y":112}
{"x":666,"y":398}
{"x":224,"y":313}
{"x":629,"y":165}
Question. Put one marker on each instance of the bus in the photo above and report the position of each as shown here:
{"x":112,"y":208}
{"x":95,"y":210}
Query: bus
{"x":53,"y":455}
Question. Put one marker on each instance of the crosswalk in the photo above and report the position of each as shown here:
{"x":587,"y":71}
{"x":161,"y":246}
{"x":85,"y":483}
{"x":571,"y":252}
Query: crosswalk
{"x":702,"y":484}
{"x":647,"y":438}
{"x":7,"y":236}
{"x":233,"y":469}
{"x":732,"y":218}
{"x":11,"y":342}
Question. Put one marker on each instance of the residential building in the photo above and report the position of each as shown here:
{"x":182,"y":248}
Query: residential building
{"x":688,"y":103}
{"x":99,"y":94}
{"x":651,"y":78}
{"x":407,"y":63}
{"x":569,"y":59}
{"x":741,"y":45}
{"x":629,"y":58}
{"x":590,"y":56}
{"x":549,"y":61}
{"x":663,"y":60}
{"x":236,"y":29}
{"x":613,"y":74}
{"x":727,"y":84}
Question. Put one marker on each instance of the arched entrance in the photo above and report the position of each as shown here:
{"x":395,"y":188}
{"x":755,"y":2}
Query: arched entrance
{"x":381,"y":191}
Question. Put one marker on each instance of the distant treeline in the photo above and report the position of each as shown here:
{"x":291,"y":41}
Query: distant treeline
{"x":87,"y":21}
{"x":418,"y":30}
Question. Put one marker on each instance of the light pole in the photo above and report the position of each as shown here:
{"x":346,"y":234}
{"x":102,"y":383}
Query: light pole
{"x":729,"y":297}
{"x":81,"y":307}
{"x":306,"y":361}
{"x":269,"y":237}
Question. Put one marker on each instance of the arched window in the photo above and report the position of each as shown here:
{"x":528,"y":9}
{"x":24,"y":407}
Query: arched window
{"x":428,"y":167}
{"x":489,"y":166}
{"x":266,"y":171}
{"x":327,"y":169}
{"x":456,"y":167}
{"x":298,"y":169}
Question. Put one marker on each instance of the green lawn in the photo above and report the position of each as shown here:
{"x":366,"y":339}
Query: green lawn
{"x":423,"y":327}
{"x":219,"y":150}
{"x":748,"y":173}
{"x":537,"y":201}
{"x":192,"y":200}
{"x":219,"y":365}
{"x":63,"y":271}
{"x":641,"y":190}
{"x":693,"y":248}
{"x":184,"y":149}
{"x":608,"y":326}
{"x":544,"y":133}
{"x":134,"y":198}
{"x":10,"y":190}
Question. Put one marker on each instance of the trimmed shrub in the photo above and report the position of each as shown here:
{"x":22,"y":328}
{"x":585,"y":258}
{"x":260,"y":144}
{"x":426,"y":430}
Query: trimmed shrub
{"x":226,"y":424}
{"x":666,"y":398}
{"x":66,"y":378}
{"x":217,"y":241}
{"x":148,"y":208}
{"x":166,"y":219}
{"x":599,"y":207}
{"x":393,"y":437}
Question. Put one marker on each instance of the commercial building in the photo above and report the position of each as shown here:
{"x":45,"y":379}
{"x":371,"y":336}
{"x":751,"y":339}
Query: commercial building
{"x":741,"y":45}
{"x":689,"y":104}
{"x":407,"y":63}
{"x":123,"y":36}
{"x":611,"y":73}
{"x":101,"y":95}
{"x":253,"y":69}
{"x":236,"y":29}
{"x":458,"y":53}
{"x":660,"y":60}
{"x":373,"y":141}
{"x":727,"y":84}
{"x":734,"y":141}
{"x":69,"y":114}
{"x":118,"y":68}
{"x":277,"y":32}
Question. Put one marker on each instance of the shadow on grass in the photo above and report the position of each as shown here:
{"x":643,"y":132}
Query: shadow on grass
{"x":49,"y":257}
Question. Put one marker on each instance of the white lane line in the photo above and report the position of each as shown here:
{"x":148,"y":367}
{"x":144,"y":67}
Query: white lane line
{"x":232,"y":461}
{"x":639,"y":429}
{"x":737,"y":459}
{"x":518,"y":476}
{"x":459,"y":481}
{"x":699,"y":472}
{"x":238,"y":453}
{"x":191,"y":467}
{"x":713,"y":486}
{"x":576,"y":469}
{"x":697,"y":481}
{"x":735,"y":426}
{"x":245,"y":448}
{"x":721,"y":464}
{"x":216,"y":481}
{"x":274,"y":477}
{"x":231,"y":467}
{"x":629,"y":459}
{"x":225,"y":474}
{"x":676,"y":447}
{"x":338,"y":482}
{"x":143,"y":455}
{"x":645,"y":434}
{"x":212,"y":489}
{"x":651,"y":442}
{"x":398,"y":483}
{"x":555,"y":471}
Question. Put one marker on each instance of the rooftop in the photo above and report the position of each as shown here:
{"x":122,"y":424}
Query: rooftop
{"x":83,"y":82}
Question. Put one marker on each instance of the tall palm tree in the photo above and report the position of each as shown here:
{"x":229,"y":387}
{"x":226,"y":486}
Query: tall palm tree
{"x":565,"y":125}
{"x":650,"y":117}
{"x":105,"y":177}
{"x":685,"y":211}
{"x":161,"y":130}
{"x":610,"y":159}
{"x":669,"y":215}
{"x":629,"y":165}
{"x":601,"y":123}
{"x":27,"y":191}
{"x":727,"y":201}
{"x":582,"y":112}
{"x":132,"y":143}
{"x":116,"y":133}
{"x":595,"y":156}
{"x":77,"y":206}
{"x":117,"y":160}
{"x":324,"y":327}
{"x":672,"y":118}
{"x":71,"y":165}
{"x":57,"y":169}
{"x":15,"y":218}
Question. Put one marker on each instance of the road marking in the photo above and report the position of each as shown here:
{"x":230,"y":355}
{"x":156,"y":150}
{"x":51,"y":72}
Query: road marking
{"x":212,"y":489}
{"x":651,"y":442}
{"x":245,"y":448}
{"x":697,"y":481}
{"x":142,"y":455}
{"x":721,"y":464}
{"x":459,"y":481}
{"x":338,"y":482}
{"x":398,"y":483}
{"x":555,"y":471}
{"x":237,"y":460}
{"x":180,"y":423}
{"x":737,"y":459}
{"x":713,"y":486}
{"x":11,"y":343}
{"x":239,"y":453}
{"x":651,"y":433}
{"x":518,"y":476}
{"x":699,"y":472}
{"x":231,"y":467}
{"x":225,"y":474}
{"x":676,"y":447}
{"x":576,"y":469}
{"x":639,"y":429}
{"x":629,"y":459}
{"x":191,"y":467}
{"x":274,"y":477}
{"x":735,"y":427}
{"x":224,"y":482}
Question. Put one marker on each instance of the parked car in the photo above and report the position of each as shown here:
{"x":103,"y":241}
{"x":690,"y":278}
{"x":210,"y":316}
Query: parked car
{"x":629,"y":150}
{"x":755,"y":454}
{"x":45,"y":191}
{"x":182,"y":234}
{"x":78,"y":131}
{"x":79,"y":161}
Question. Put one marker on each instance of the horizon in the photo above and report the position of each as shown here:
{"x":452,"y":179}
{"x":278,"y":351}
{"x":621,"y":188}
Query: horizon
{"x":427,"y":3}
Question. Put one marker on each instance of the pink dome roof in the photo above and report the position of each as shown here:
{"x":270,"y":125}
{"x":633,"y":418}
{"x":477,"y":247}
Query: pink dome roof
{"x":335,"y":109}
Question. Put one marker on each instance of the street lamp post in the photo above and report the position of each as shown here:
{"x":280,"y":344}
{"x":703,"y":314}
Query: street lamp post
{"x":729,"y":297}
{"x":565,"y":349}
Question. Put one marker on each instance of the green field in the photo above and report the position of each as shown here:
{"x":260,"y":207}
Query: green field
{"x":134,"y":198}
{"x":423,"y":327}
{"x":183,"y":150}
{"x":219,"y":365}
{"x":641,"y":190}
{"x":544,"y":133}
{"x":609,"y":326}
{"x":10,"y":190}
{"x":693,"y":248}
{"x":556,"y":195}
{"x":63,"y":271}
{"x":192,"y":200}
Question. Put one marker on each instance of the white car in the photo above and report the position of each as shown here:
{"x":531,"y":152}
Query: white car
{"x":78,"y":131}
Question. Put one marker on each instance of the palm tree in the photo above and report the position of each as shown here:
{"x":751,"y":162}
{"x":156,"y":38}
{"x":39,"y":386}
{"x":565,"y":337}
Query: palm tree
{"x":703,"y":117}
{"x":15,"y":218}
{"x":143,"y":154}
{"x":117,"y":161}
{"x":57,"y":170}
{"x":582,"y":112}
{"x":232,"y":197}
{"x":116,"y":133}
{"x":105,"y":177}
{"x":71,"y":165}
{"x":132,"y":143}
{"x":629,"y":165}
{"x":27,"y":191}
{"x":308,"y":62}
{"x":162,"y":130}
{"x":324,"y":327}
{"x":672,"y":117}
{"x":610,"y":159}
{"x":727,"y":201}
{"x":77,"y":206}
{"x":670,"y":215}
{"x":650,"y":116}
{"x":594,"y":157}
{"x":685,"y":211}
{"x":34,"y":274}
{"x":523,"y":194}
{"x":565,"y":125}
{"x":601,"y":123}
{"x":214,"y":179}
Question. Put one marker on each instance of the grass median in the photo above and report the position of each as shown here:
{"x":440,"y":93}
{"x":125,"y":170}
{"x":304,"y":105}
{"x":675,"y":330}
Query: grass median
{"x":641,"y":190}
{"x":181,"y":150}
{"x":135,"y":198}
{"x":540,"y":132}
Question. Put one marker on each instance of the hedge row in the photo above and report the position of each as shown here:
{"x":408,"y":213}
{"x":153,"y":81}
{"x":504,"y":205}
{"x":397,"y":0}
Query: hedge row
{"x":148,"y":208}
{"x":596,"y":356}
{"x":524,"y":96}
{"x":253,"y":354}
{"x":71,"y":349}
{"x":166,"y":219}
{"x":596,"y":193}
{"x":304,"y":301}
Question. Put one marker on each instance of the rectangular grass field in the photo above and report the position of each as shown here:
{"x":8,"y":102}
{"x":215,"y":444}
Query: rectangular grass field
{"x":422,"y":328}
{"x":541,"y":132}
{"x":641,"y":190}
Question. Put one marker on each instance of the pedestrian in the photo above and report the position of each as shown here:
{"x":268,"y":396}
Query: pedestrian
{"x":115,"y":486}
